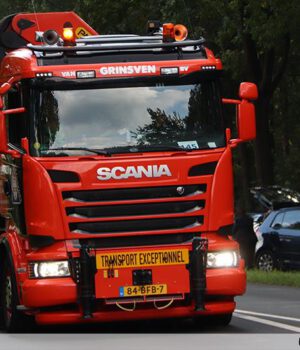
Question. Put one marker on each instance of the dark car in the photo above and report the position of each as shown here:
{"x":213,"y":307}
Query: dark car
{"x":263,"y":199}
{"x":278,"y":244}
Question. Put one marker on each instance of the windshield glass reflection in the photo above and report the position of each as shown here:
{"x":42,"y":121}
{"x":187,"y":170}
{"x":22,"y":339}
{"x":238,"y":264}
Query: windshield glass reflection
{"x":127,"y":119}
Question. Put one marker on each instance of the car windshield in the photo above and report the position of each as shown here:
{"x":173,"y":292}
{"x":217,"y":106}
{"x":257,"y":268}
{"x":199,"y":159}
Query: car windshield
{"x":120,"y":119}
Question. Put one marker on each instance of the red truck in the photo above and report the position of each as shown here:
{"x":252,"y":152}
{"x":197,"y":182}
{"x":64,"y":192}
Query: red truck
{"x":116,"y":181}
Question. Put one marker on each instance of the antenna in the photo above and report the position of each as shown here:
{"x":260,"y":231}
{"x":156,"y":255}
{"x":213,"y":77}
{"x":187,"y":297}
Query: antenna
{"x":188,"y":18}
{"x":36,"y":18}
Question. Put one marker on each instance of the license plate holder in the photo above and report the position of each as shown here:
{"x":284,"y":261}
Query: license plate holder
{"x":149,"y":289}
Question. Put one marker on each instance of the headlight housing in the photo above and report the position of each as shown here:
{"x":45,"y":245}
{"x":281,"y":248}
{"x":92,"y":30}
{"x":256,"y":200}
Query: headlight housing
{"x":222,"y":259}
{"x":48,"y":269}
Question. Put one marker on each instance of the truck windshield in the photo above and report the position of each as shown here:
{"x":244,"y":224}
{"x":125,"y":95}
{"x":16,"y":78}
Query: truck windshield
{"x":124,"y":119}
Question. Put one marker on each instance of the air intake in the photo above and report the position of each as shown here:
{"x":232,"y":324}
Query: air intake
{"x":63,"y":176}
{"x":203,"y":169}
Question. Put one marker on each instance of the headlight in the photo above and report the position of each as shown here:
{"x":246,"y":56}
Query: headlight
{"x":45,"y":269}
{"x":222,"y":259}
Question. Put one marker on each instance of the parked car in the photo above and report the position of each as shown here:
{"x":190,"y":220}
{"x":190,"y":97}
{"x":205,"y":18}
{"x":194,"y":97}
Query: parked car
{"x":257,"y":219}
{"x":268,"y":198}
{"x":278,"y":244}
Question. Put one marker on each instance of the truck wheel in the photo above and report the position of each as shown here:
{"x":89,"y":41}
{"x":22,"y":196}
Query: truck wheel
{"x":265,"y":261}
{"x":222,"y":320}
{"x":11,"y":320}
{"x":214,"y":320}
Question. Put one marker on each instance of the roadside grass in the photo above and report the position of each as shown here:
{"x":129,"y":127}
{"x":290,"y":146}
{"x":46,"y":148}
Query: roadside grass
{"x":278,"y":278}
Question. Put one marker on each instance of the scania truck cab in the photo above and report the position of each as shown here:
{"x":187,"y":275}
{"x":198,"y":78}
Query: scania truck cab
{"x":116,"y":180}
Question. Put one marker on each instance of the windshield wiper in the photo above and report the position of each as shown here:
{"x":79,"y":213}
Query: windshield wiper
{"x":158,"y":148}
{"x":104,"y":153}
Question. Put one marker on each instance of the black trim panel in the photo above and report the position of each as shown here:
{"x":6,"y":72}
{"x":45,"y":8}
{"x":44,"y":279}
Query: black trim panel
{"x":134,"y":193}
{"x":59,"y":176}
{"x":94,"y":58}
{"x":137,"y":241}
{"x":123,"y":226}
{"x":203,"y":169}
{"x":135,"y":209}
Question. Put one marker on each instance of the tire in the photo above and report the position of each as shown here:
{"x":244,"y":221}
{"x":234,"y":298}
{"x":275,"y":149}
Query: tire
{"x":11,"y":320}
{"x":221,"y":320}
{"x":265,"y":261}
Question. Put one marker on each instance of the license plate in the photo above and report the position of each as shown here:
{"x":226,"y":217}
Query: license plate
{"x":142,"y":258}
{"x":149,"y":289}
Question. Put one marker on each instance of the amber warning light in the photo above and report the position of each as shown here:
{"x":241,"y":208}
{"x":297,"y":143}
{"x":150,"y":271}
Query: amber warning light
{"x":180,"y":32}
{"x":173,"y":32}
{"x":68,"y":34}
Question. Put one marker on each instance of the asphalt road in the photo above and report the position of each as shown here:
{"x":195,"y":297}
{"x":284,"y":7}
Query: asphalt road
{"x":263,"y":309}
{"x":267,"y":317}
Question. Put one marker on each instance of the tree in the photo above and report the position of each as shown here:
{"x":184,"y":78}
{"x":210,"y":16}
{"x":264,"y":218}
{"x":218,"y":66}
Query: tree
{"x":16,"y":6}
{"x":163,"y":127}
{"x":122,"y":16}
{"x":257,"y":41}
{"x":254,"y":40}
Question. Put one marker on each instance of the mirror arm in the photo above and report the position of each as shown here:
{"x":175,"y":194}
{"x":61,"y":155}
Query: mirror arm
{"x":14,"y":110}
{"x":17,"y":149}
{"x":231,"y":101}
{"x":7,"y":85}
{"x":234,"y":142}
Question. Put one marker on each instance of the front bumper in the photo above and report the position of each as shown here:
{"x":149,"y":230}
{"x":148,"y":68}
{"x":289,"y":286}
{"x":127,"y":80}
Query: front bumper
{"x":71,"y":317}
{"x":61,"y":293}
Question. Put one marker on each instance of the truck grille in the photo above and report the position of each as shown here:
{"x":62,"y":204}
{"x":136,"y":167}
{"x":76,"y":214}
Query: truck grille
{"x":132,"y":193}
{"x":150,"y":209}
{"x":137,"y":241}
{"x":134,"y":209}
{"x":135,"y":225}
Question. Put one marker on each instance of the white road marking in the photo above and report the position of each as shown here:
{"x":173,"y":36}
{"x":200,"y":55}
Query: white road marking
{"x":269,"y":323}
{"x":246,"y":312}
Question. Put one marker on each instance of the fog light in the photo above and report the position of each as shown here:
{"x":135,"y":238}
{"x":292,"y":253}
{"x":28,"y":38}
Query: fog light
{"x":47,"y":269}
{"x":222,"y":259}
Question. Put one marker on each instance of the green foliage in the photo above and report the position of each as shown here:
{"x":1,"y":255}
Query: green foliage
{"x":278,"y":278}
{"x":257,"y":41}
{"x":123,"y":16}
{"x":162,"y":124}
{"x":15,"y":6}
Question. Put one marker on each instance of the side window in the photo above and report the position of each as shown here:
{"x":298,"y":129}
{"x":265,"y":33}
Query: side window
{"x":16,"y":122}
{"x":292,"y":220}
{"x":277,"y":220}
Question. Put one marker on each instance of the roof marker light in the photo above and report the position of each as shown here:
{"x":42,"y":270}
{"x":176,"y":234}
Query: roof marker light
{"x":169,"y":71}
{"x":44,"y":75}
{"x":208,"y":67}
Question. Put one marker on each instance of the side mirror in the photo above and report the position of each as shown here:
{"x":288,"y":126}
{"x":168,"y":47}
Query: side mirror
{"x":277,"y":226}
{"x":246,"y":124}
{"x":248,"y":91}
{"x":4,"y":88}
{"x":246,"y":112}
{"x":3,"y":132}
